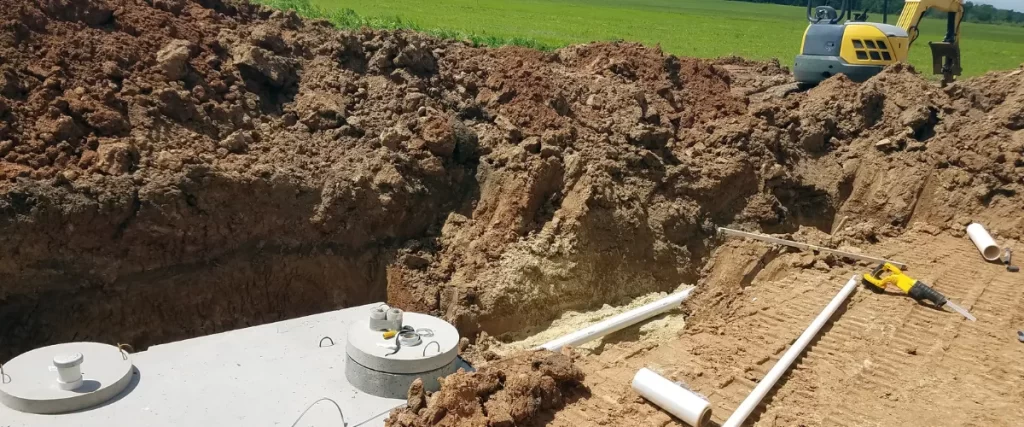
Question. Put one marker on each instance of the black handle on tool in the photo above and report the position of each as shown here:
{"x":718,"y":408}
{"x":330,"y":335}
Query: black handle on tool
{"x":921,"y":291}
{"x":877,"y":270}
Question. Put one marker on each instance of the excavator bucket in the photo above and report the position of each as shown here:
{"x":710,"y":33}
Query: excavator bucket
{"x":946,"y":59}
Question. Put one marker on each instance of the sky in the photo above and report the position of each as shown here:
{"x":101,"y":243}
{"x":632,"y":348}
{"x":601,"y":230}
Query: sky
{"x":1017,"y":5}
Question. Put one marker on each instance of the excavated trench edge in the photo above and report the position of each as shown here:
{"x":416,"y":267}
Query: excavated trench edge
{"x":251,"y":285}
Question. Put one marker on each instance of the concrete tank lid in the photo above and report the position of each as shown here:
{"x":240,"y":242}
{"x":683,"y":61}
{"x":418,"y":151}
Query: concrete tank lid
{"x":369,"y":348}
{"x":29,"y":384}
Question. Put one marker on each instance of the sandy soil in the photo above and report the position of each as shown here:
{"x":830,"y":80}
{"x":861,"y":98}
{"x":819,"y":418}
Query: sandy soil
{"x":883,"y":360}
{"x":660,"y":327}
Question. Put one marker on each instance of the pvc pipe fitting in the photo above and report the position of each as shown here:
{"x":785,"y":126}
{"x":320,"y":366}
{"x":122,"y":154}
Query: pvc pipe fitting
{"x":617,"y":322}
{"x":69,"y":370}
{"x":379,"y":319}
{"x":986,"y":245}
{"x":684,"y":404}
{"x":395,"y":315}
{"x":409,"y":339}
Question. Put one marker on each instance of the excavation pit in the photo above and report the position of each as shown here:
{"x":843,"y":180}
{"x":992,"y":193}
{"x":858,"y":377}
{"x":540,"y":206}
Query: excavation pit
{"x":170,"y":172}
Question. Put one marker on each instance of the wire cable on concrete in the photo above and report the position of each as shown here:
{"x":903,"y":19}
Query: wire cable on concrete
{"x":341,"y":414}
{"x":343,"y":422}
{"x":378,"y":415}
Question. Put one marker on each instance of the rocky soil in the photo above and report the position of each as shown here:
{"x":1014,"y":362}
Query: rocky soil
{"x":171,"y":168}
{"x":514,"y":391}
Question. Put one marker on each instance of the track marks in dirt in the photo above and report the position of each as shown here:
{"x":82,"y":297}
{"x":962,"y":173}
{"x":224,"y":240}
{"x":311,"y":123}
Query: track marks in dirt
{"x":884,"y":360}
{"x":938,"y":369}
{"x":778,"y":324}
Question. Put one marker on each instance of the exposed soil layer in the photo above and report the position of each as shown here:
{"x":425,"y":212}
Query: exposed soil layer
{"x":170,"y":168}
{"x":516,"y":391}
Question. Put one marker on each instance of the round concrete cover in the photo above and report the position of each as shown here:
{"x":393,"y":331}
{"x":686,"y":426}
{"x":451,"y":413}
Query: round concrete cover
{"x":362,"y":346}
{"x":29,"y":384}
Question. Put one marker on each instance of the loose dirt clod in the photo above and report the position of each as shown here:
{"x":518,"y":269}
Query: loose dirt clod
{"x":509,"y":392}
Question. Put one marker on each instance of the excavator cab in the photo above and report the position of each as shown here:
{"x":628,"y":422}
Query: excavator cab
{"x":862,"y":49}
{"x":854,"y":48}
{"x":825,"y":13}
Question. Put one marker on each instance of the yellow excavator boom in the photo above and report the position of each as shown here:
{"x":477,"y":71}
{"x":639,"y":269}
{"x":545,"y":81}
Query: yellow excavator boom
{"x":914,"y":10}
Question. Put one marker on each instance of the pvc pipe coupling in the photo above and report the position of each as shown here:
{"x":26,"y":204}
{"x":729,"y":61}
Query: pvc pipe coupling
{"x":409,"y":338}
{"x":69,"y":370}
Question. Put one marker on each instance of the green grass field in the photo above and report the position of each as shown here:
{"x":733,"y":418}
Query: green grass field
{"x":700,"y":28}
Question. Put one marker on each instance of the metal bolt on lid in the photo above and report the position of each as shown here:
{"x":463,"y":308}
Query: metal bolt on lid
{"x":69,"y":360}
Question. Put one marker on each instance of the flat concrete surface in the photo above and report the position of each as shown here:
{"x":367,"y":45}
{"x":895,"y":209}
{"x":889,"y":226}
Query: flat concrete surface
{"x":260,"y":376}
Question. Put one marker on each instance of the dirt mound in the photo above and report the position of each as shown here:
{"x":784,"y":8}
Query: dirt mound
{"x":910,"y":151}
{"x":203,"y":166}
{"x":173,"y":168}
{"x":509,"y":392}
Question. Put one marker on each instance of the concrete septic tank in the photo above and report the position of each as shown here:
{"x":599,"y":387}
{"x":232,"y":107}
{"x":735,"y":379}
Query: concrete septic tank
{"x":384,"y":365}
{"x":271,"y":373}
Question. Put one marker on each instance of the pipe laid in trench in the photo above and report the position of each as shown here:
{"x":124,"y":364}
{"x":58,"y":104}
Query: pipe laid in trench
{"x":617,"y":322}
{"x":750,"y":403}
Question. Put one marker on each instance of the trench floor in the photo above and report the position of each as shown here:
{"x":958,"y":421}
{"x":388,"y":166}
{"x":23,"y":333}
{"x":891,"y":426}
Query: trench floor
{"x":883,"y":360}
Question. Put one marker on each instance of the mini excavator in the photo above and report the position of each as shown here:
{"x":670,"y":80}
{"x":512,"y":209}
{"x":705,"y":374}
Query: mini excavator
{"x":861,"y":49}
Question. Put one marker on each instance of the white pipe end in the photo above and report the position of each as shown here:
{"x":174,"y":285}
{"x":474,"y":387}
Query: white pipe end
{"x":684,"y":404}
{"x":984,"y":242}
{"x":991,"y":253}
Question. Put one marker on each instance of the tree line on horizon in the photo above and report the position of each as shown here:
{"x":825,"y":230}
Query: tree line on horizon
{"x":973,"y":12}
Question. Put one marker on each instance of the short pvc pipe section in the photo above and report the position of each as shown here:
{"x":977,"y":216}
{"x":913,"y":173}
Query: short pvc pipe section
{"x":750,"y":403}
{"x":986,"y":245}
{"x":617,"y":322}
{"x":684,"y":404}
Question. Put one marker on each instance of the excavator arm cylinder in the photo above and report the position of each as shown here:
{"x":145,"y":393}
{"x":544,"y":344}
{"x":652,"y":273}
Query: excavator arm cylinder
{"x":951,"y":24}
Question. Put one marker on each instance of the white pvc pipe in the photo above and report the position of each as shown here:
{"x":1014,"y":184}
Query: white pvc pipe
{"x":747,"y":406}
{"x":684,"y":404}
{"x":617,"y":322}
{"x":69,"y":370}
{"x":986,"y":245}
